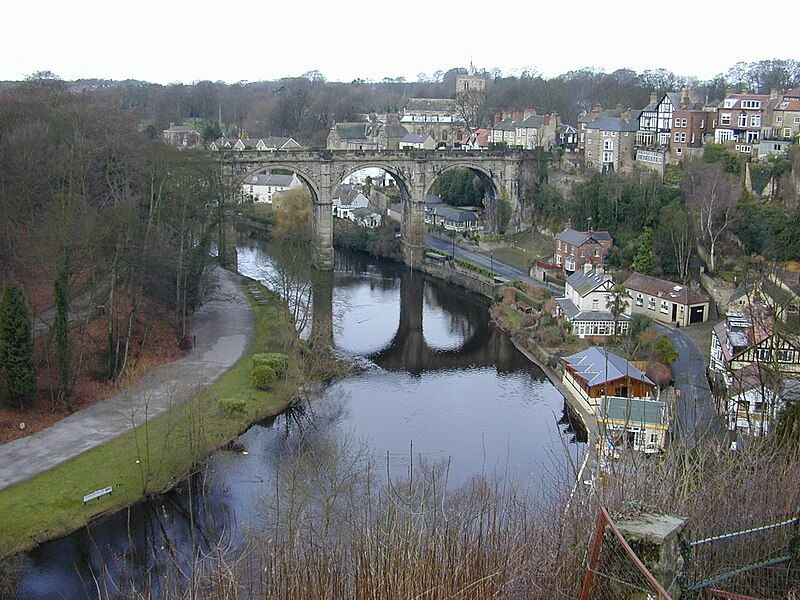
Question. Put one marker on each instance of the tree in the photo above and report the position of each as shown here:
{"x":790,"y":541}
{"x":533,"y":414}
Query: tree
{"x":61,"y":326}
{"x":16,"y":346}
{"x":643,"y":261}
{"x":617,"y":303}
{"x":674,"y":222}
{"x":665,"y":350}
{"x":711,"y":195}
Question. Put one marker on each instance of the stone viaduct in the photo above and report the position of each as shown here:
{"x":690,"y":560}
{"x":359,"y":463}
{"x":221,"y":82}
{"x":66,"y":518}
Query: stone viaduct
{"x":503,"y":173}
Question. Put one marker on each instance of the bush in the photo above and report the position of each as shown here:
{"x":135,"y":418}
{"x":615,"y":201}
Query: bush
{"x":233,"y":406}
{"x":264,"y":377}
{"x":665,"y":350}
{"x":275,"y":360}
{"x":476,"y":268}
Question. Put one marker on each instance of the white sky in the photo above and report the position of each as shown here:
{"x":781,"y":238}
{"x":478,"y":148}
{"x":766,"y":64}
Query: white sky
{"x":176,"y":40}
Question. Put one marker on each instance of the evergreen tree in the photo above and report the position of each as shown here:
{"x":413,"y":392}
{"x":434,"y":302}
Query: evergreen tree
{"x":643,"y":261}
{"x":61,"y":325}
{"x":16,"y":347}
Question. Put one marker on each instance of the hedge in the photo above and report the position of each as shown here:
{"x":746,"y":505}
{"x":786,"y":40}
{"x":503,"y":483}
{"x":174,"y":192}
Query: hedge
{"x":477,"y":268}
{"x":264,"y":377}
{"x":275,"y":360}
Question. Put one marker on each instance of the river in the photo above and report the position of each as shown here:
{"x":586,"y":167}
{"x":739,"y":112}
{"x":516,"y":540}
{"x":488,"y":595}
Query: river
{"x":437,"y":383}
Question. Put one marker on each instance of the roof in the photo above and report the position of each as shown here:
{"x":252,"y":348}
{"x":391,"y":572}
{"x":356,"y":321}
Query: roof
{"x":413,"y":138}
{"x":578,"y":238}
{"x":505,"y":125}
{"x":365,"y":211}
{"x":662,"y":288}
{"x":632,"y":410}
{"x":431,"y":104}
{"x":586,"y":283}
{"x":532,"y":122}
{"x":430,"y":200}
{"x":613,"y":124}
{"x":598,"y":366}
{"x":395,"y":131}
{"x":793,"y":93}
{"x":788,"y":104}
{"x":454,"y":214}
{"x":574,"y":314}
{"x":270,"y":179}
{"x":279,"y":142}
{"x":566,"y":128}
{"x":352,"y":131}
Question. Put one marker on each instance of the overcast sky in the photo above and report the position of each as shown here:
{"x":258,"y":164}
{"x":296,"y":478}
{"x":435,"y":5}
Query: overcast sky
{"x":178,"y":41}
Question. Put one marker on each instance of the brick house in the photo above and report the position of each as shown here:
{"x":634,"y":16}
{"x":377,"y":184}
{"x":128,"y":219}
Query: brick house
{"x":610,"y":143}
{"x":666,"y":301}
{"x":573,"y":249}
{"x":740,"y":120}
{"x":691,"y":127}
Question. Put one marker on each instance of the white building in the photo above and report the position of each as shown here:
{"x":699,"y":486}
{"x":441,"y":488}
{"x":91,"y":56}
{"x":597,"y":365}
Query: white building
{"x":348,"y":199}
{"x":262,"y":187}
{"x":585,"y":304}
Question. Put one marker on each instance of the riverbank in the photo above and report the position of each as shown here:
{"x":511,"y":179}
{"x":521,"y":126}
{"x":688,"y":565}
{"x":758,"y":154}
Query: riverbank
{"x":159,"y":453}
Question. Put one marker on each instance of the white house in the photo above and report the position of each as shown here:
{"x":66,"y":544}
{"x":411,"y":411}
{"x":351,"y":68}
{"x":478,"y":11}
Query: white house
{"x":585,"y":304}
{"x":262,"y":187}
{"x":366,"y":217}
{"x":417,"y":142}
{"x":347,"y":200}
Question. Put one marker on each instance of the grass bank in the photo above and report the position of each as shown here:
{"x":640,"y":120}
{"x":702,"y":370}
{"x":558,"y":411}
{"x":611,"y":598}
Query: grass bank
{"x":157,"y":455}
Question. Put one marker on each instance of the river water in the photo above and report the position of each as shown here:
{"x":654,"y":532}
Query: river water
{"x":437,"y":383}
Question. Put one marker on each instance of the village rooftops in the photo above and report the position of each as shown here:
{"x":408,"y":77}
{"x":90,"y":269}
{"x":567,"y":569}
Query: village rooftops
{"x":413,"y":138}
{"x":578,"y":238}
{"x":353,"y":131}
{"x":453,"y":214}
{"x":430,"y":104}
{"x":662,"y":288}
{"x":598,"y":366}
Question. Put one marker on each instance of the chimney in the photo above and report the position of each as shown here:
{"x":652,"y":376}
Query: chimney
{"x":599,"y":269}
{"x":568,"y":224}
{"x":653,"y":96}
{"x":686,"y":100}
{"x":729,"y":92}
{"x":171,"y":125}
{"x":774,"y":94}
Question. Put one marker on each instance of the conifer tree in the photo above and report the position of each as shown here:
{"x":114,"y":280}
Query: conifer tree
{"x":16,"y":347}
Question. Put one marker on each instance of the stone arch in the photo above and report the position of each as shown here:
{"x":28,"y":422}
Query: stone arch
{"x":304,"y":176}
{"x":491,"y":187}
{"x":403,"y":180}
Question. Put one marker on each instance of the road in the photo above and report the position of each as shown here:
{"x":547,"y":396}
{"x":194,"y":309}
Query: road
{"x":501,"y":268}
{"x":696,"y":416}
{"x":697,"y":419}
{"x":223,"y":329}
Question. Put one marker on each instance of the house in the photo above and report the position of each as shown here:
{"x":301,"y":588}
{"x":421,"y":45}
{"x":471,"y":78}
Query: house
{"x":755,"y":364}
{"x":454,"y":219}
{"x":182,"y":136}
{"x":272,"y":143}
{"x":477,"y":140}
{"x":740,"y":118}
{"x":353,"y":136}
{"x":691,"y":128}
{"x":620,"y":395}
{"x":244,"y":143}
{"x":666,"y":301}
{"x":573,"y":249}
{"x":436,"y":117}
{"x":525,"y":129}
{"x":784,"y":128}
{"x":348,"y":199}
{"x":414,"y":141}
{"x":610,"y":143}
{"x":390,"y":134}
{"x":566,"y":138}
{"x":586,"y":304}
{"x":366,"y":217}
{"x":262,"y":187}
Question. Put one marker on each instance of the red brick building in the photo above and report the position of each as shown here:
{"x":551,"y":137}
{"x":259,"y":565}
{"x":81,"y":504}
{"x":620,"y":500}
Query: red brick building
{"x":573,"y":249}
{"x":690,"y":127}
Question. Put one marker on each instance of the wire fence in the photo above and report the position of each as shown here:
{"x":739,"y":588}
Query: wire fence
{"x":614,"y":570}
{"x":757,"y":562}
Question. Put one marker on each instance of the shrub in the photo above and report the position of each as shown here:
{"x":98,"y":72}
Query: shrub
{"x":665,"y":350}
{"x":275,"y":360}
{"x":264,"y":377}
{"x":233,"y":406}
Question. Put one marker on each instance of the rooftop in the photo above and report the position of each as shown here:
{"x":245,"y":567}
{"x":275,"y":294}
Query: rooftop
{"x":664,"y":289}
{"x":598,"y":366}
{"x":632,"y":410}
{"x":577,"y":238}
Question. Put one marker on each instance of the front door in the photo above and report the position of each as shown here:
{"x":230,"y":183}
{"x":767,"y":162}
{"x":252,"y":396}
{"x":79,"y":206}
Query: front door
{"x":674,"y":312}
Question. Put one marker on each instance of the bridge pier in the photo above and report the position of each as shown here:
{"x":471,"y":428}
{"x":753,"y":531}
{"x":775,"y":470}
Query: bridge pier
{"x":322,"y":230}
{"x":322,"y":309}
{"x":412,"y":232}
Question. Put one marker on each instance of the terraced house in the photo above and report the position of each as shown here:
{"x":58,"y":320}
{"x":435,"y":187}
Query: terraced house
{"x":610,"y":144}
{"x":666,"y":301}
{"x":740,"y":120}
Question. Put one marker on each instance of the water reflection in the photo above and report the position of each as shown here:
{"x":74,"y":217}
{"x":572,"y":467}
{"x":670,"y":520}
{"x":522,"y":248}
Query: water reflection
{"x":440,"y":384}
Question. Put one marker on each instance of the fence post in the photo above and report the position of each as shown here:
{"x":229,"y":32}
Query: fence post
{"x":594,"y":554}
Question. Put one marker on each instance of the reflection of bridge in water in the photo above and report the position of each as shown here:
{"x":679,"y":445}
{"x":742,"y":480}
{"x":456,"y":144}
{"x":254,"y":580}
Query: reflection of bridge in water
{"x":408,"y":350}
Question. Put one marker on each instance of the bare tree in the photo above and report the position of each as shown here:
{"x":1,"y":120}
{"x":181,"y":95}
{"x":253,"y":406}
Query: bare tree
{"x":711,"y":194}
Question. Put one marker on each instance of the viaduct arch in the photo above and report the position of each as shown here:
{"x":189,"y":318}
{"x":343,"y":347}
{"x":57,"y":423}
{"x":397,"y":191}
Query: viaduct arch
{"x":503,"y":173}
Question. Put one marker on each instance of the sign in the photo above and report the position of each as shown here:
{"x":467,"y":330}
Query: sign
{"x":96,"y":494}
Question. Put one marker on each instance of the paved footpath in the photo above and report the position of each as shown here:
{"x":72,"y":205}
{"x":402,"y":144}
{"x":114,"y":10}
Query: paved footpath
{"x":223,"y":328}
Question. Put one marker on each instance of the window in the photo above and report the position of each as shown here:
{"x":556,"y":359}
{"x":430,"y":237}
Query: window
{"x":763,"y":354}
{"x":797,"y":120}
{"x":787,"y":132}
{"x":755,"y":121}
{"x":608,"y":144}
{"x":729,"y":102}
{"x":702,"y":123}
{"x":725,"y":119}
{"x":693,"y":138}
{"x":558,"y":260}
{"x":679,"y":151}
{"x":639,"y":300}
{"x":786,"y":355}
{"x":595,"y":304}
{"x":751,"y":104}
{"x":651,"y":303}
{"x":608,"y":157}
{"x":779,"y":118}
{"x":664,"y":306}
{"x":714,"y":126}
{"x":743,"y":120}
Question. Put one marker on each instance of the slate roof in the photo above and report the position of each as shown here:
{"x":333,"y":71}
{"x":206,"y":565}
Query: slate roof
{"x":632,"y":410}
{"x":413,"y":138}
{"x":578,"y":238}
{"x":352,"y":131}
{"x":180,"y":129}
{"x":454,"y":214}
{"x":280,"y":142}
{"x":598,"y":366}
{"x":505,"y":125}
{"x":614,"y":124}
{"x":662,"y":288}
{"x":586,"y":283}
{"x":793,"y":93}
{"x":430,"y":104}
{"x":532,"y":122}
{"x":364,"y":212}
{"x":574,"y":314}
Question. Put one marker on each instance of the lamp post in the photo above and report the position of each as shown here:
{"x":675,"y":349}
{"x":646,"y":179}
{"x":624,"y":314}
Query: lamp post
{"x":491,"y":260}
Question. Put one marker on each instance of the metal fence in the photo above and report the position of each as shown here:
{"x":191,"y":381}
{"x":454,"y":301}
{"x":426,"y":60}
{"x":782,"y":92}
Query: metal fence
{"x":614,"y":570}
{"x":757,"y":562}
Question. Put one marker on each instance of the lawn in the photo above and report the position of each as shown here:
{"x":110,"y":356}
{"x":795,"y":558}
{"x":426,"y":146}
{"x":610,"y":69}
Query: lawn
{"x":513,"y":256}
{"x":156,"y":455}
